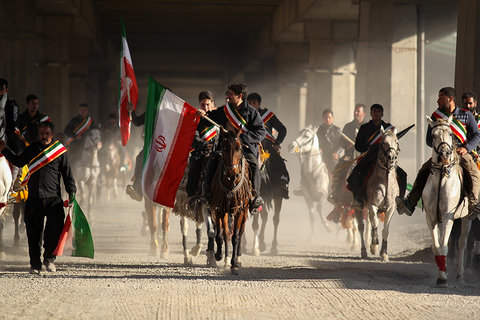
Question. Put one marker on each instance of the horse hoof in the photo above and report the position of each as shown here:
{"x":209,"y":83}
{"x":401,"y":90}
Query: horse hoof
{"x":187,"y":261}
{"x":256,"y":252}
{"x":274,"y":251}
{"x":235,"y":271}
{"x":442,"y":282}
{"x":364,"y":253}
{"x":374,"y":249}
{"x":196,"y":250}
{"x":385,"y":258}
{"x":461,"y":280}
{"x":262,"y":246}
{"x":218,"y":257}
{"x":211,"y":262}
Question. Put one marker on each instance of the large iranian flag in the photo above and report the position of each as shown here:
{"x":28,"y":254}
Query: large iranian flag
{"x":170,"y":125}
{"x":128,"y":91}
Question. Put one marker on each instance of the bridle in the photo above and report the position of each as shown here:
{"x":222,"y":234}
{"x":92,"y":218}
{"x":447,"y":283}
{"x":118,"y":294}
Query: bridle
{"x":445,"y":169}
{"x":231,"y":178}
{"x":389,"y":164}
{"x":306,"y":142}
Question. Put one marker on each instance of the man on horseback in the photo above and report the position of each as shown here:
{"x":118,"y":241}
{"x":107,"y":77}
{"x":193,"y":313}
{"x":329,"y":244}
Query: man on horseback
{"x":47,"y":162}
{"x":9,"y":110}
{"x":203,"y":144}
{"x":467,"y":138}
{"x":367,"y":141}
{"x":328,"y":137}
{"x":237,"y":114}
{"x":339,"y":174}
{"x":279,"y":177}
{"x":75,"y":130}
{"x":29,"y":120}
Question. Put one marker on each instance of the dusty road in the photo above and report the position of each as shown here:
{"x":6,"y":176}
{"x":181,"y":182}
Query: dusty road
{"x":318,"y":278}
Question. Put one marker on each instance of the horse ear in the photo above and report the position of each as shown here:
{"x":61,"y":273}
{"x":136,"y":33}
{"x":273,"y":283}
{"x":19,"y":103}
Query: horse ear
{"x":430,"y":121}
{"x":382,"y":130}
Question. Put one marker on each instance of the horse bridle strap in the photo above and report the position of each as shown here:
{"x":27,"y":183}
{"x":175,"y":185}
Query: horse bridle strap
{"x":242,"y":177}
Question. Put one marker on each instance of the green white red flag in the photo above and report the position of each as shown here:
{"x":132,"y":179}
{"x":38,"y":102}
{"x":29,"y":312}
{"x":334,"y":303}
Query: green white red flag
{"x":170,"y":125}
{"x":128,"y":90}
{"x":76,"y":232}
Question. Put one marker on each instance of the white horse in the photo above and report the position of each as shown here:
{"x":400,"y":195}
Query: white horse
{"x":88,"y":169}
{"x":443,"y":199}
{"x":382,"y":188}
{"x":314,"y":174}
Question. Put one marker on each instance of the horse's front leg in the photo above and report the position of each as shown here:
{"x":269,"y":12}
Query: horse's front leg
{"x":440,"y":257}
{"x":276,"y":221}
{"x":236,"y":239}
{"x":372,"y":213}
{"x":187,"y":260}
{"x":17,"y":208}
{"x":198,"y":244}
{"x":462,"y":244}
{"x":255,"y":228}
{"x":219,"y":238}
{"x":386,"y":227}
{"x":152,"y":225}
{"x":311,"y":215}
{"x":165,"y":216}
{"x":361,"y":229}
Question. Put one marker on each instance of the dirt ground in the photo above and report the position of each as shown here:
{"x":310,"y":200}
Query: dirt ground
{"x":316,"y":278}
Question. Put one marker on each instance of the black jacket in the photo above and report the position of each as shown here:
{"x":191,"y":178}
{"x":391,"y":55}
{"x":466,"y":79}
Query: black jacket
{"x":200,"y":147}
{"x":45,"y":182}
{"x":11,"y":116}
{"x":28,"y":126}
{"x":138,"y":120}
{"x":350,"y":130}
{"x":367,"y":132}
{"x":75,"y":122}
{"x":274,"y":123}
{"x":256,"y":131}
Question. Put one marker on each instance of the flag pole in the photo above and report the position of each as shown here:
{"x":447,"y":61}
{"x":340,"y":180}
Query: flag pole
{"x":214,"y":123}
{"x":130,"y":102}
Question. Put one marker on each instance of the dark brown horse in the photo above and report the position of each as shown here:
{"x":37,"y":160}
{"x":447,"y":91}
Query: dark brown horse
{"x":231,"y":191}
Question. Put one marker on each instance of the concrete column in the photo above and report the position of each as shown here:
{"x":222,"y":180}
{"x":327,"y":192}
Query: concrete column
{"x":290,"y":60}
{"x":387,"y":65}
{"x":467,"y":65}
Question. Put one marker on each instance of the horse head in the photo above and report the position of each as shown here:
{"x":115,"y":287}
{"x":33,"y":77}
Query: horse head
{"x":305,"y":142}
{"x":93,"y":140}
{"x":442,"y":140}
{"x":389,"y":148}
{"x":231,"y":147}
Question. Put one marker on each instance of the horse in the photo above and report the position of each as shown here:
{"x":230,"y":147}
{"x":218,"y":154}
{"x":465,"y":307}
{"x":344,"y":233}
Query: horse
{"x":111,"y":168}
{"x":273,"y":197}
{"x":231,"y":191}
{"x":313,"y":173}
{"x":88,"y":168}
{"x":443,"y":199}
{"x":381,"y":190}
{"x":5,"y":181}
{"x":151,"y":217}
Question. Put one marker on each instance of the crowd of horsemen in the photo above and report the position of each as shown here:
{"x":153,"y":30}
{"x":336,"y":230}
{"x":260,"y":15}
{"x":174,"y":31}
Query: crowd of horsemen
{"x":28,"y":135}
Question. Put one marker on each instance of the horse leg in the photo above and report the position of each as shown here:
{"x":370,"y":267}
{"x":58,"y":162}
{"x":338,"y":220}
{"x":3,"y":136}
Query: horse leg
{"x":198,"y":245}
{"x":219,"y":238}
{"x":276,"y":221}
{"x":322,"y":218}
{"x":311,"y":215}
{"x":386,"y":228}
{"x":187,"y":260}
{"x":462,"y":244}
{"x":239,"y":228}
{"x":211,"y":262}
{"x":152,"y":225}
{"x":255,"y":227}
{"x":17,"y":206}
{"x":261,"y":236}
{"x":372,"y":214}
{"x":2,"y":226}
{"x":354,"y":233}
{"x":226,"y":236}
{"x":440,"y":257}
{"x":361,"y":229}
{"x":165,"y":215}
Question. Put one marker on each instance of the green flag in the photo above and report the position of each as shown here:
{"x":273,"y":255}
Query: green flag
{"x":82,"y":236}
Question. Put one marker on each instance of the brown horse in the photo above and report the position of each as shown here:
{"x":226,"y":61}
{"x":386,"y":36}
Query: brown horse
{"x":231,"y":192}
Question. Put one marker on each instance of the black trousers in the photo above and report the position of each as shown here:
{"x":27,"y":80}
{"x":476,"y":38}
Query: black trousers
{"x":195,"y":167}
{"x":36,"y":210}
{"x":212,"y":165}
{"x":137,"y":182}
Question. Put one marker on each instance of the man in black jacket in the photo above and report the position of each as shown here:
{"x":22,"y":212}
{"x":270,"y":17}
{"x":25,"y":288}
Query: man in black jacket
{"x":76,"y":130}
{"x":240,"y":115}
{"x":10,"y":108}
{"x":29,"y":120}
{"x":44,"y":198}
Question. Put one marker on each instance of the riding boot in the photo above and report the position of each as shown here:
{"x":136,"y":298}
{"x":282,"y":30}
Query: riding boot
{"x":212,"y":165}
{"x":469,"y":164}
{"x":407,"y":206}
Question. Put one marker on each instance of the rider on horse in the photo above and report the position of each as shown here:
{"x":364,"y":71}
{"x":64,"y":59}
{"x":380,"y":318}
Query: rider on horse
{"x":28,"y":121}
{"x":237,"y":114}
{"x":279,"y":177}
{"x":339,"y":174}
{"x":467,"y":138}
{"x":203,"y":144}
{"x":75,"y":130}
{"x":367,"y":142}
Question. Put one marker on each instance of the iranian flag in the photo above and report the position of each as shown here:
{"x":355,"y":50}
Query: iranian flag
{"x":170,"y":125}
{"x":128,"y":91}
{"x":76,"y":234}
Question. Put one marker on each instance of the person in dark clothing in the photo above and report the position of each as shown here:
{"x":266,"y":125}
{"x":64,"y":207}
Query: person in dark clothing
{"x":10,"y":107}
{"x":447,"y":107}
{"x":28,"y":121}
{"x":279,"y":177}
{"x":340,"y":172}
{"x":44,"y":199}
{"x":135,"y":190}
{"x":203,"y":144}
{"x":367,"y":142}
{"x":75,"y":131}
{"x":240,"y":116}
{"x":328,"y":138}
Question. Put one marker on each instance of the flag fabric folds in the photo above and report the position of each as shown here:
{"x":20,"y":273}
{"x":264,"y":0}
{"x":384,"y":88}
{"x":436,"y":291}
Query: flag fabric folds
{"x":128,"y":91}
{"x":77,"y":230}
{"x":170,"y":125}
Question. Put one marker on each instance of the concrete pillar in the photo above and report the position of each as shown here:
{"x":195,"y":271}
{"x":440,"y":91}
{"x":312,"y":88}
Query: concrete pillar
{"x":290,"y":60}
{"x":467,"y":65}
{"x":387,"y":65}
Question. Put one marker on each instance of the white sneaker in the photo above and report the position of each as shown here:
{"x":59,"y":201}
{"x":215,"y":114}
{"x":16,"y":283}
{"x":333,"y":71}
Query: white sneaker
{"x":50,"y":267}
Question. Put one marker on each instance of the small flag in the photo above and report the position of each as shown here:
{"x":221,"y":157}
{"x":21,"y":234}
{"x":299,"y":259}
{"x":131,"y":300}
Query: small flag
{"x":77,"y":230}
{"x":170,"y":125}
{"x":128,"y":90}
